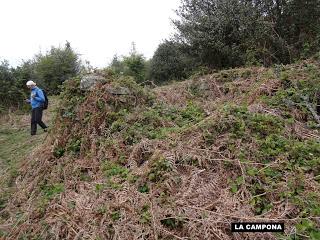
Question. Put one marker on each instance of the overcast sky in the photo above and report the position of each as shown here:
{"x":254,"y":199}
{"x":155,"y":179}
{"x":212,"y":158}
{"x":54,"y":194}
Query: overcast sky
{"x":97,"y":29}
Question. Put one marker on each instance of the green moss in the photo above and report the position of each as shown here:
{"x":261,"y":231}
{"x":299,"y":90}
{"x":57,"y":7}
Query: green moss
{"x":117,"y":120}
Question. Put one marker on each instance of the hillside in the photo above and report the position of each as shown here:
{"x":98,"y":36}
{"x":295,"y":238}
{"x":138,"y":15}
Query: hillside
{"x":181,"y":161}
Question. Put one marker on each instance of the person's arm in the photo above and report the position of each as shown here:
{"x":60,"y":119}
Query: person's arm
{"x":40,"y":97}
{"x":28,"y":100}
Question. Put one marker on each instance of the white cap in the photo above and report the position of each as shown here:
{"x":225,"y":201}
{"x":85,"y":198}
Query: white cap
{"x":31,"y":83}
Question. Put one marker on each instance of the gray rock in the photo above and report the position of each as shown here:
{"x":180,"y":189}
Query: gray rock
{"x":88,"y":81}
{"x":118,"y":90}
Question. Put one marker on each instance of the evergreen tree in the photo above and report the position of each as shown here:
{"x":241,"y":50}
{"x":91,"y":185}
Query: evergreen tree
{"x":56,"y":66}
{"x":117,"y":65}
{"x":169,"y":63}
{"x":135,"y":65}
{"x":228,"y":33}
{"x":11,"y":93}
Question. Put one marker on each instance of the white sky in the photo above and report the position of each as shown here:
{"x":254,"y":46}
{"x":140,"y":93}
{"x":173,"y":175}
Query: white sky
{"x":97,"y":29}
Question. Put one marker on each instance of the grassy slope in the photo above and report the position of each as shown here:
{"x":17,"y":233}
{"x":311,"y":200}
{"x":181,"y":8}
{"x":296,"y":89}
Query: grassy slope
{"x":16,"y":143}
{"x":15,"y":139}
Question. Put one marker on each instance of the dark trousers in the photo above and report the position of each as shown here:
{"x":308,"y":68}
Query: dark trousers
{"x":36,"y":118}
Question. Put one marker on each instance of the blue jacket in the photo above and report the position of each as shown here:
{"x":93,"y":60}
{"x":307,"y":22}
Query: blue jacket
{"x":38,"y":98}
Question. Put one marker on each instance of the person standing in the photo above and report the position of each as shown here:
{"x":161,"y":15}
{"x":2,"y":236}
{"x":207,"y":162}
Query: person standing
{"x":36,"y":100}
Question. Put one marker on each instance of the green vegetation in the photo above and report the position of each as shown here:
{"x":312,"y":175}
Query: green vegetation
{"x":15,"y":145}
{"x":56,"y":66}
{"x":210,"y":35}
{"x":169,"y":62}
{"x":285,"y":159}
{"x":58,"y":152}
{"x":138,"y":159}
{"x":48,"y":70}
{"x":306,"y":227}
{"x":145,"y":216}
{"x":134,"y":65}
{"x":115,"y":215}
{"x":157,"y":122}
{"x":172,"y":223}
{"x":112,"y":169}
{"x":143,"y":188}
{"x":128,"y":161}
{"x":12,"y":91}
{"x":158,"y":169}
{"x":49,"y":191}
{"x":232,"y":33}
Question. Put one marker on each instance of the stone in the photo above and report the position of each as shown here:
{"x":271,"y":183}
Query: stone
{"x":87,"y":82}
{"x":118,"y":90}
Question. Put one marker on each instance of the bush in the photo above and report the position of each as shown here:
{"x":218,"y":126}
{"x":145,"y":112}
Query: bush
{"x":169,"y":63}
{"x":134,"y":65}
{"x":56,"y":66}
{"x":12,"y":92}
